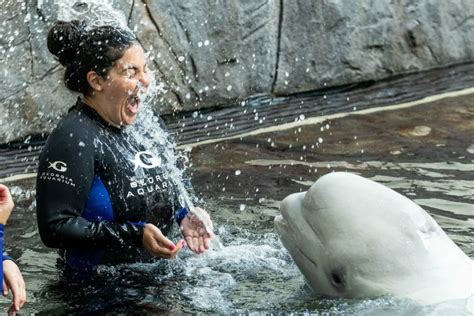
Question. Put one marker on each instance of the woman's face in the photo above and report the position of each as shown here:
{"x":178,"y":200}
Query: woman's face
{"x":123,"y":85}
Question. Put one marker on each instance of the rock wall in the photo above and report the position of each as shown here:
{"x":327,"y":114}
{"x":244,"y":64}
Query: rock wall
{"x":208,"y":53}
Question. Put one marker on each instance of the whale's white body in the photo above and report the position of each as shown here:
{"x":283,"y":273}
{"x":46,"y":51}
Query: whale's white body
{"x":352,"y":237}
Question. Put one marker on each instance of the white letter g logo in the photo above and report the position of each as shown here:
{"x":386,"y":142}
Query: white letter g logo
{"x":58,"y":166}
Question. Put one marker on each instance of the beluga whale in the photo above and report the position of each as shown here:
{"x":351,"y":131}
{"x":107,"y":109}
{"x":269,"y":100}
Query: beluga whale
{"x":354,"y":238}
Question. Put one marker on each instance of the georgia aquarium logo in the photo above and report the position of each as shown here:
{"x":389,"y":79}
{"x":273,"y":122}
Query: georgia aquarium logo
{"x":58,"y":166}
{"x":146,"y":159}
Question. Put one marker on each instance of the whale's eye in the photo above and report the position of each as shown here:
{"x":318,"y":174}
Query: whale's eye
{"x":338,"y":279}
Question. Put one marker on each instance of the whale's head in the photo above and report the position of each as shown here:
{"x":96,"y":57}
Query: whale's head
{"x":352,"y":237}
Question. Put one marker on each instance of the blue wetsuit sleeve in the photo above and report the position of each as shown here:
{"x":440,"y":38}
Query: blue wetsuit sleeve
{"x":181,"y":214}
{"x":65,"y":177}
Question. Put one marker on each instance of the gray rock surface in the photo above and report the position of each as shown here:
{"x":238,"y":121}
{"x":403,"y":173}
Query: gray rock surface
{"x":208,"y":53}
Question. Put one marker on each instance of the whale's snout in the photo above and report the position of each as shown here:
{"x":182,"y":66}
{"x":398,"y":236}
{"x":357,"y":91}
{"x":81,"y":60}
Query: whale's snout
{"x":352,"y":237}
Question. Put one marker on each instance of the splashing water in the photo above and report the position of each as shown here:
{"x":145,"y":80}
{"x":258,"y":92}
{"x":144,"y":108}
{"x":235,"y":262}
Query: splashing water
{"x":93,"y":12}
{"x":147,"y":130}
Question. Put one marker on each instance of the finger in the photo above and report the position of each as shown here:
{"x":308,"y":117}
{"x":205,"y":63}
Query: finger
{"x":201,"y":245}
{"x":189,"y":242}
{"x":172,"y":247}
{"x":195,"y":244}
{"x":179,"y":246}
{"x":15,"y":287}
{"x":160,"y":245}
{"x":20,"y":298}
{"x":207,"y":242}
{"x":4,"y":193}
{"x":163,"y":241}
{"x":23,"y":292}
{"x":3,"y":190}
{"x":160,"y":251}
{"x":11,"y":310}
{"x":4,"y":288}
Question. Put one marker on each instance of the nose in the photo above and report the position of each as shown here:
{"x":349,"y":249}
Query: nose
{"x":145,"y":79}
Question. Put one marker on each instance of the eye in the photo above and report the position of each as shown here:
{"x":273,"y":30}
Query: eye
{"x":130,"y":72}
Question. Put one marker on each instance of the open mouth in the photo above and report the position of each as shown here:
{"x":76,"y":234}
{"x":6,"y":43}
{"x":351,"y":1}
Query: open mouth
{"x":133,"y":104}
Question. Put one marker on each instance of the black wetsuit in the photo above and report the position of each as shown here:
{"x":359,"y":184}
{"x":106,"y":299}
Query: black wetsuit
{"x":96,"y":188}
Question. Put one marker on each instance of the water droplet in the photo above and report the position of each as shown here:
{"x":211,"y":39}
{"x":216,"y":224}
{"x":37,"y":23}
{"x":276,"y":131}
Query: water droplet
{"x":242,"y":207}
{"x":229,"y":88}
{"x":320,"y":140}
{"x":238,"y":172}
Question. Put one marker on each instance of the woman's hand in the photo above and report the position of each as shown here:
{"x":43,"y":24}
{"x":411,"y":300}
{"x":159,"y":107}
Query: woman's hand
{"x":13,"y":281}
{"x":6,"y":204}
{"x":195,"y":233}
{"x":158,"y":245}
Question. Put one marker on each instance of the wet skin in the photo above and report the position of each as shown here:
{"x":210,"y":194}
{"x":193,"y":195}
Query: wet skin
{"x":116,"y":97}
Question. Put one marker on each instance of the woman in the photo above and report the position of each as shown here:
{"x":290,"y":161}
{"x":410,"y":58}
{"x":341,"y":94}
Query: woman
{"x":10,"y":276}
{"x":102,"y":196}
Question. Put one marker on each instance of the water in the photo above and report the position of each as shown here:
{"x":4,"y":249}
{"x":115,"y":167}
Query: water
{"x":149,"y":132}
{"x":252,"y":273}
{"x":248,"y":271}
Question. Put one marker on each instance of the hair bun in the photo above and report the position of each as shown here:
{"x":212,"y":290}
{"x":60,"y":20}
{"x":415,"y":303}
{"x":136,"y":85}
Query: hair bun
{"x":64,"y":39}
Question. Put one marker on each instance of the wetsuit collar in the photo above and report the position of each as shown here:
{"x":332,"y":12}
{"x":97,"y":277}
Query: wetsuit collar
{"x":92,"y":113}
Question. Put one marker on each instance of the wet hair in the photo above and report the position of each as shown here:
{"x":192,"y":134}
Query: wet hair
{"x":81,"y":50}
